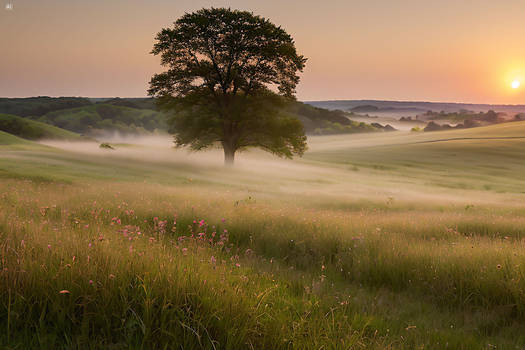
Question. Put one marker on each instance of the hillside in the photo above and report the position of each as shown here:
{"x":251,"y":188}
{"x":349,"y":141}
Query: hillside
{"x":489,"y":157}
{"x":33,"y":130}
{"x":96,"y":117}
{"x":320,"y":121}
{"x":7,"y":139}
{"x":103,"y":117}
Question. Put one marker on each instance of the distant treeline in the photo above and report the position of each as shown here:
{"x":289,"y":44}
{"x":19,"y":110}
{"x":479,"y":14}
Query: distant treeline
{"x":466,"y":119}
{"x":141,"y":116}
{"x":38,"y":106}
{"x":320,"y":121}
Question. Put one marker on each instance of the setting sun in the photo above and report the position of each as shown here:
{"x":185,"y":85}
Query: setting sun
{"x":516,"y":84}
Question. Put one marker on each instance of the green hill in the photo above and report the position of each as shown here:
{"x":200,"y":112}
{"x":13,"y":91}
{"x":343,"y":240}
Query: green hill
{"x":33,"y":130}
{"x":320,"y":121}
{"x":10,"y":142}
{"x":106,"y":117}
{"x":8,"y":139}
{"x":141,"y":116}
{"x":490,"y":157}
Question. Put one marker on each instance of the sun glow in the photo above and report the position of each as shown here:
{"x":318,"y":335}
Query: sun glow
{"x":516,"y":84}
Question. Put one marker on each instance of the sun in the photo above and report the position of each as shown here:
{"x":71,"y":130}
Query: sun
{"x":516,"y":84}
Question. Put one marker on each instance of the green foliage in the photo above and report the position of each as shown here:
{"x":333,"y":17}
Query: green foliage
{"x":38,"y":106}
{"x":221,"y":65}
{"x":138,"y":103}
{"x":140,"y":116}
{"x":96,"y":118}
{"x":330,"y":128}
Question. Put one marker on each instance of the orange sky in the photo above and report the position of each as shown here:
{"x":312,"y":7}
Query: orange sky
{"x":463,"y":51}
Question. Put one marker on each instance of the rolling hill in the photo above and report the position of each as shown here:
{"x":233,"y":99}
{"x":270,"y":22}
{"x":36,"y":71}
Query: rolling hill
{"x":95,"y":117}
{"x":489,"y":157}
{"x":34,"y":130}
{"x":102,"y":117}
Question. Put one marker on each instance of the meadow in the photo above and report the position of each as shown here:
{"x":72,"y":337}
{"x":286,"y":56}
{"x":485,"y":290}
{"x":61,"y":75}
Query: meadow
{"x":371,"y":241}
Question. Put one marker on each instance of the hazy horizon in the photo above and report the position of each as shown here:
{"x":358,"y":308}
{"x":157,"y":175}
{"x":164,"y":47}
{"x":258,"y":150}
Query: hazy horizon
{"x":357,"y":50}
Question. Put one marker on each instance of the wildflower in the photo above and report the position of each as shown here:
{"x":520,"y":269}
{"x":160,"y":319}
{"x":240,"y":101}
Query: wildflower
{"x":65,"y":291}
{"x":499,"y":266}
{"x":213,"y":260}
{"x":90,"y":281}
{"x":89,"y":245}
{"x":238,"y":265}
{"x":49,"y":246}
{"x":185,"y":250}
{"x":111,"y":276}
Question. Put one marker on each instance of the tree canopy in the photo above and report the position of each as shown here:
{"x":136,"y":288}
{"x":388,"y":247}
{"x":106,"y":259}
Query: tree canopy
{"x":229,"y":74}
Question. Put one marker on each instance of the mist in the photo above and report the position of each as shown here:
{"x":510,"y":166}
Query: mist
{"x":256,"y":171}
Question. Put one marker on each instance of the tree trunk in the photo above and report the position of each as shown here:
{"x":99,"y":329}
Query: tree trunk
{"x":229,"y":156}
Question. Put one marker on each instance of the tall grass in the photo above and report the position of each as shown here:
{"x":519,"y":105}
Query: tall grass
{"x":140,"y":266}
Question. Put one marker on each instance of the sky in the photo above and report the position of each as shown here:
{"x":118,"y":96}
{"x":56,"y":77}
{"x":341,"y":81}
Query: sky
{"x":424,"y":50}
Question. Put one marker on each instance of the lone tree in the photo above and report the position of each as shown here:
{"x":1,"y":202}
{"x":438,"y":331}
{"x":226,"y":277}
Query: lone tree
{"x":229,"y":75}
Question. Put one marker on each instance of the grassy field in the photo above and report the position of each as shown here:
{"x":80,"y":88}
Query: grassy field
{"x":372,"y":241}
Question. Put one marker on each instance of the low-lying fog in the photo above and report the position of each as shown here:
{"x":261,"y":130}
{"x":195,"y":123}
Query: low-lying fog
{"x":261,"y":171}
